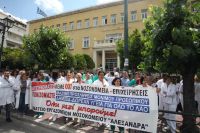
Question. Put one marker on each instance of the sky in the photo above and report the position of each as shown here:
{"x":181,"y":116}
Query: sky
{"x":26,"y":10}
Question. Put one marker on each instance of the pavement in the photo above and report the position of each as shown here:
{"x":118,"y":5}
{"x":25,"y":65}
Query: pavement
{"x":28,"y":124}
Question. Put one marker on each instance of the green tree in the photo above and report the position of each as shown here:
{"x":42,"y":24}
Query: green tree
{"x":47,"y":46}
{"x":13,"y":58}
{"x":81,"y":62}
{"x":89,"y":61}
{"x":172,"y":43}
{"x":135,"y":47}
{"x":68,"y":61}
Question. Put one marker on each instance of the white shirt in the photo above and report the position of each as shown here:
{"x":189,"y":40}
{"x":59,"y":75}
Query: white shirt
{"x":99,"y":83}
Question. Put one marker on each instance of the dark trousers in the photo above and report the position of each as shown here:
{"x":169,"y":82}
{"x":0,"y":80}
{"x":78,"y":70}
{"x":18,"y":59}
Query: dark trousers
{"x":8,"y":109}
{"x":22,"y":106}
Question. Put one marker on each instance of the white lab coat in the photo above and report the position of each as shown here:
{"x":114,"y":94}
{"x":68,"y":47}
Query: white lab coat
{"x":6,"y":91}
{"x":27,"y":93}
{"x":101,"y":84}
{"x":197,"y":94}
{"x":159,"y":85}
{"x":170,"y":104}
{"x":180,"y":93}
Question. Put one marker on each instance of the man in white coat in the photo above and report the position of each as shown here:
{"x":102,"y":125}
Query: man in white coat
{"x":101,"y":82}
{"x":168,"y":91}
{"x":6,"y":93}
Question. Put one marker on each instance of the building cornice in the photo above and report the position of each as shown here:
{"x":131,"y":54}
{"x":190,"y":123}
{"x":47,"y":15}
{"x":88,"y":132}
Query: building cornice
{"x":97,"y":7}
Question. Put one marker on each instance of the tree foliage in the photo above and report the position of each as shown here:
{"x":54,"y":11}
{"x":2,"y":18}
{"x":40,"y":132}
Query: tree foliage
{"x":135,"y":47}
{"x":48,"y":46}
{"x":13,"y":58}
{"x":89,"y":61}
{"x":81,"y":62}
{"x":172,"y":37}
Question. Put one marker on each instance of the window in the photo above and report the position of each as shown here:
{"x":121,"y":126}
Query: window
{"x":95,"y":21}
{"x":58,"y":26}
{"x":113,"y":37}
{"x":64,"y":27}
{"x":113,"y":19}
{"x":86,"y":42}
{"x":104,"y":20}
{"x":79,"y":24}
{"x":144,"y":14}
{"x":122,"y":17}
{"x":71,"y":44}
{"x":133,"y":15}
{"x":71,"y":25}
{"x":87,"y":23}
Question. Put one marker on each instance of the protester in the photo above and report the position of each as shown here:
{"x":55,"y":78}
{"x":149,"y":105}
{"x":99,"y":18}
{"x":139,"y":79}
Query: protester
{"x":7,"y":93}
{"x":117,"y":83}
{"x":125,"y":80}
{"x":102,"y":83}
{"x":170,"y":102}
{"x":88,"y":79}
{"x":23,"y":91}
{"x":109,"y":77}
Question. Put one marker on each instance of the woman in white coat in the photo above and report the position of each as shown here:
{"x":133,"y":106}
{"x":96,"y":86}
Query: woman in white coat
{"x":168,"y":92}
{"x":23,"y":93}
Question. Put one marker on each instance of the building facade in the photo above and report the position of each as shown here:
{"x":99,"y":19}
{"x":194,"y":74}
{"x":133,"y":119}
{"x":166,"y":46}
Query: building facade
{"x":13,"y":37}
{"x":95,"y":30}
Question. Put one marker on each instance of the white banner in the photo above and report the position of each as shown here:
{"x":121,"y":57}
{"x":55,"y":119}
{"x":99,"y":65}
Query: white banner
{"x":130,"y":107}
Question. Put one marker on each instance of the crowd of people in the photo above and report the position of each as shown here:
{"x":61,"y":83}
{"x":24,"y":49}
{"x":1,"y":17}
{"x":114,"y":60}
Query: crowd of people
{"x":15,"y":89}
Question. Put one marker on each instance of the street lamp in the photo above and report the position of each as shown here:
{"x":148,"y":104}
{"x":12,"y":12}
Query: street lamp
{"x":126,"y":62}
{"x":5,"y":25}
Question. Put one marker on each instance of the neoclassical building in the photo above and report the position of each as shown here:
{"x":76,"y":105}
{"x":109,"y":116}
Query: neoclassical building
{"x":95,"y":30}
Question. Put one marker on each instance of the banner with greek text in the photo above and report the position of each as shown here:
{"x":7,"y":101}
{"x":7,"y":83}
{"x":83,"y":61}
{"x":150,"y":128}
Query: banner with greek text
{"x":130,"y":107}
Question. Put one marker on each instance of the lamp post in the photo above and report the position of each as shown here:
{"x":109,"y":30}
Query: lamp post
{"x":126,"y":62}
{"x":5,"y":25}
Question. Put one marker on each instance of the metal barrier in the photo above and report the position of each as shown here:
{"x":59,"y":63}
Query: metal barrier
{"x":163,"y":120}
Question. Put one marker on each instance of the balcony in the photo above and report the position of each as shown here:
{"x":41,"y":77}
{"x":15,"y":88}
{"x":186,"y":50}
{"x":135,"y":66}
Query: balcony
{"x":111,"y":43}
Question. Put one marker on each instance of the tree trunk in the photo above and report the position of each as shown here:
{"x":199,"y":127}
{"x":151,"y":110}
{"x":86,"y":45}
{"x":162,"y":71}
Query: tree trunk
{"x":189,"y":121}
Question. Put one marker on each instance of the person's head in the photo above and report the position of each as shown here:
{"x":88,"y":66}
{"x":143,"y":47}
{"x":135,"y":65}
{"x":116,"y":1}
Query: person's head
{"x":137,"y":75}
{"x":21,"y":72}
{"x":168,"y":80}
{"x":116,"y":74}
{"x":117,"y":82}
{"x":112,"y":74}
{"x":125,"y":74}
{"x":149,"y":80}
{"x":6,"y":74}
{"x":68,"y":75}
{"x":23,"y":77}
{"x":79,"y":77}
{"x":101,"y":75}
{"x":197,"y":77}
{"x":63,"y":73}
{"x":55,"y":76}
{"x":40,"y":76}
{"x":88,"y":75}
{"x":165,"y":76}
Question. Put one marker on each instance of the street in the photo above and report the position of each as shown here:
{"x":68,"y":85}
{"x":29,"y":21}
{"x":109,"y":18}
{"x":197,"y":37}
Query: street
{"x":17,"y":126}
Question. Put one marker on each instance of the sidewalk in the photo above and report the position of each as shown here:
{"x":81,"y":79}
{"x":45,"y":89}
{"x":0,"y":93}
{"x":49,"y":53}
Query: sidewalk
{"x":58,"y":125}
